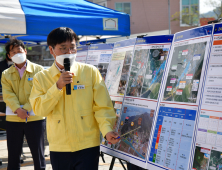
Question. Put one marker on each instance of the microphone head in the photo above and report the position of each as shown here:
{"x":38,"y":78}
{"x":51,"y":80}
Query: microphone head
{"x":66,"y":61}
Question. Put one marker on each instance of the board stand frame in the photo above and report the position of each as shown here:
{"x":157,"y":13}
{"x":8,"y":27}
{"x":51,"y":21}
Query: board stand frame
{"x":113,"y":160}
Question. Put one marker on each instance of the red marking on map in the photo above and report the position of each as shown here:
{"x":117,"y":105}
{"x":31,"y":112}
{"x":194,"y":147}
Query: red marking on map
{"x":142,"y":63}
{"x":184,"y":52}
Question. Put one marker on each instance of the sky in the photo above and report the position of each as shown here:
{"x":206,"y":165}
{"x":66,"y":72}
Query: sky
{"x":204,"y":8}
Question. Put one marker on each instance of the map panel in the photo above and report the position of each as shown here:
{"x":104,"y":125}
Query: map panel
{"x":137,"y":121}
{"x":115,"y":70}
{"x":118,"y":70}
{"x":185,"y":72}
{"x":146,"y":72}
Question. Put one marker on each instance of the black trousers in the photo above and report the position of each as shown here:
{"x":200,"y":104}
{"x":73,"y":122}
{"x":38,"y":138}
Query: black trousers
{"x":2,"y":118}
{"x":86,"y":159}
{"x":34,"y":133}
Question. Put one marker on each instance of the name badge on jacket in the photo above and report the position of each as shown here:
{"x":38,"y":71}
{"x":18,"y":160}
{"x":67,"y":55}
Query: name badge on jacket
{"x":30,"y":79}
{"x":78,"y":87}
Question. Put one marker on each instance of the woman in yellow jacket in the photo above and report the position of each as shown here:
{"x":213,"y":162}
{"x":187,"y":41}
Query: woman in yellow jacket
{"x":20,"y":119}
{"x":74,"y":121}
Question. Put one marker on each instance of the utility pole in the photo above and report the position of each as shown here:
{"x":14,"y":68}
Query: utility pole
{"x":169,"y":15}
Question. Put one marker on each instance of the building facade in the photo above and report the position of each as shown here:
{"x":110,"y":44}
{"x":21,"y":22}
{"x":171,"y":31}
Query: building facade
{"x":152,"y":15}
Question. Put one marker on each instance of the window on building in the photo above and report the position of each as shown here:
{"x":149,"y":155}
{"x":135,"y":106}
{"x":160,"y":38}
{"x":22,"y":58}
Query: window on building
{"x":124,"y":7}
{"x":189,"y":12}
{"x":103,"y":4}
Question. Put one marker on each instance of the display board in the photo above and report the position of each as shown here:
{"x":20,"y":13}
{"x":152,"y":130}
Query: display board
{"x":208,"y":153}
{"x":82,"y":52}
{"x":118,"y":69}
{"x":174,"y":137}
{"x":143,"y":81}
{"x":99,"y":55}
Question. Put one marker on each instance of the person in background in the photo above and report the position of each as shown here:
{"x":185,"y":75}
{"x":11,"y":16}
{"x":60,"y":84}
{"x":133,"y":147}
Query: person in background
{"x":4,"y":64}
{"x":20,"y":119}
{"x":74,"y":121}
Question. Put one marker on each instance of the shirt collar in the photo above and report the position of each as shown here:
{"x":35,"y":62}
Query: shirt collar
{"x":28,"y":66}
{"x":61,"y":70}
{"x":55,"y":70}
{"x":24,"y":67}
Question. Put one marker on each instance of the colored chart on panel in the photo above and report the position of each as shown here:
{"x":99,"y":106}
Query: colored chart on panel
{"x":173,"y":137}
{"x":210,"y":128}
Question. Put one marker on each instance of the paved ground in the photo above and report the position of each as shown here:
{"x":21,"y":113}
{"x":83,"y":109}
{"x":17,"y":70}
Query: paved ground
{"x":28,"y":163}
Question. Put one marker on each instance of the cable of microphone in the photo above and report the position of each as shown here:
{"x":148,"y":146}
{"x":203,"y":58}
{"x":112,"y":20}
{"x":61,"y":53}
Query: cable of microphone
{"x":67,"y":68}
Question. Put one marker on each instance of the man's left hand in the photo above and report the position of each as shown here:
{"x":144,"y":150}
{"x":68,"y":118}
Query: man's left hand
{"x":111,"y":137}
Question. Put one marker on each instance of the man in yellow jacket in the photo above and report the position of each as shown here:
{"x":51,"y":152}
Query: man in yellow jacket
{"x":74,"y":121}
{"x":20,"y":119}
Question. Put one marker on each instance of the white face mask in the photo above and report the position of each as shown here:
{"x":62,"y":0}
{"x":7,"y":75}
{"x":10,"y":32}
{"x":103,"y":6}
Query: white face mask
{"x":60,"y":58}
{"x":19,"y":58}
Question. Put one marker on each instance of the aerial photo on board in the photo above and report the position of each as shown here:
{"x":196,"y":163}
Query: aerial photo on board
{"x":125,"y":72}
{"x":146,"y":73}
{"x":201,"y":158}
{"x":215,"y":160}
{"x":185,"y":72}
{"x":136,"y":123}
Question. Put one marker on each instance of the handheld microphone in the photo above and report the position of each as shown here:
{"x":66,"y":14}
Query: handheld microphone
{"x":67,"y":68}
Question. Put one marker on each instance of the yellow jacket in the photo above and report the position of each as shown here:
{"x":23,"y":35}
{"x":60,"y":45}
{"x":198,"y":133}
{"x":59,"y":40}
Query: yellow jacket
{"x":16,"y":91}
{"x":74,"y":121}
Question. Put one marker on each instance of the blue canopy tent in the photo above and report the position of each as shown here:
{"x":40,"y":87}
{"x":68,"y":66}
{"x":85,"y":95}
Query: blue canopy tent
{"x":30,"y":40}
{"x":33,"y":40}
{"x":39,"y":17}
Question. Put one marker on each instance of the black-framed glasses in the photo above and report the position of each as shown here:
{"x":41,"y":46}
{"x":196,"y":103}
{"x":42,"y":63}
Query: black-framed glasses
{"x":66,"y":50}
{"x":16,"y":50}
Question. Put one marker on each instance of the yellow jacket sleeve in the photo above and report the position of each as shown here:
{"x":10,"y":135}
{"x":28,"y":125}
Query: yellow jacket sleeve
{"x":9,"y":96}
{"x":27,"y":106}
{"x":103,"y":108}
{"x":44,"y":102}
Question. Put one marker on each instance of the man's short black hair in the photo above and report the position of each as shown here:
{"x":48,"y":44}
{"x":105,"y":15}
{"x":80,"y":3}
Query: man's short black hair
{"x":14,"y":42}
{"x":60,"y":35}
{"x":100,"y":66}
{"x":8,"y":59}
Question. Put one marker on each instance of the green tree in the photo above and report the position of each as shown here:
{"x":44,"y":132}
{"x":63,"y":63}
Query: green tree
{"x":2,"y":53}
{"x":217,"y":5}
{"x":188,"y":16}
